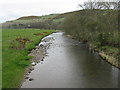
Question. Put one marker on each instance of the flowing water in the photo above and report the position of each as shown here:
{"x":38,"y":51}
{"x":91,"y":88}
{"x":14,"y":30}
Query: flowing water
{"x":69,"y":64}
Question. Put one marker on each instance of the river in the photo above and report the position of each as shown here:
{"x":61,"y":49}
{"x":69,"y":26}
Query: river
{"x":69,"y":64}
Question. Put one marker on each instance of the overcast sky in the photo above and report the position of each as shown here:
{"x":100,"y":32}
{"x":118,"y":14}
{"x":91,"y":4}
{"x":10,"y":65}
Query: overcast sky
{"x":12,"y":9}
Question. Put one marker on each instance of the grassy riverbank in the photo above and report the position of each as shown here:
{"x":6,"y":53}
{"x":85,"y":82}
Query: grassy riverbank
{"x":108,"y":53}
{"x":16,"y":45}
{"x":98,"y":28}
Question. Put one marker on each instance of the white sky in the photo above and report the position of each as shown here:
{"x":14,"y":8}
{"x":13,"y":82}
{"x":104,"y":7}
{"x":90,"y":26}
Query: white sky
{"x":12,"y":9}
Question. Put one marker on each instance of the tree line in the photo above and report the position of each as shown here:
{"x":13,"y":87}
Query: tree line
{"x":96,"y":22}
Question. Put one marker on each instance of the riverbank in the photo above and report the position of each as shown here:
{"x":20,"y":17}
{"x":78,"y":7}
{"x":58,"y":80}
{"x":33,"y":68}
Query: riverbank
{"x":16,"y":45}
{"x":107,"y":53}
{"x":99,"y":29}
{"x":38,"y":55}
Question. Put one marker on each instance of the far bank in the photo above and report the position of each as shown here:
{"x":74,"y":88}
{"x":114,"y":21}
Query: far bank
{"x":99,"y":29}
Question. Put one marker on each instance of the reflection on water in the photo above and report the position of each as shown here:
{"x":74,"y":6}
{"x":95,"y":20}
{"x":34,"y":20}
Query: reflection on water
{"x":70,"y":64}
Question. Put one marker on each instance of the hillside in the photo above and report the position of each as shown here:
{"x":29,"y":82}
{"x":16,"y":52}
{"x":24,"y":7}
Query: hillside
{"x":52,"y":21}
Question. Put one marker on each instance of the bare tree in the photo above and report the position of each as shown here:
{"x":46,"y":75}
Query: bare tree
{"x":99,"y":5}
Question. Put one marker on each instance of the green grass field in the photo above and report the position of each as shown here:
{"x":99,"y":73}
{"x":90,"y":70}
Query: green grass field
{"x":15,"y":60}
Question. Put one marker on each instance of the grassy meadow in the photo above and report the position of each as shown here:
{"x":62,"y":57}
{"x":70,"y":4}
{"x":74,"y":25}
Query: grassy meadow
{"x":16,"y":46}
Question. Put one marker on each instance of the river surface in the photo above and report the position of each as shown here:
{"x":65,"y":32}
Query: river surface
{"x":69,"y":64}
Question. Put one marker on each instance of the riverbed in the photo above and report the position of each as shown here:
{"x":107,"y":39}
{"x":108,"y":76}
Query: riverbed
{"x":70,"y":64}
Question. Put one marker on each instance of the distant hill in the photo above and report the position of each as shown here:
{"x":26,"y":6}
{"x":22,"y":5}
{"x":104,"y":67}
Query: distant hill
{"x":28,"y":17}
{"x":52,"y":21}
